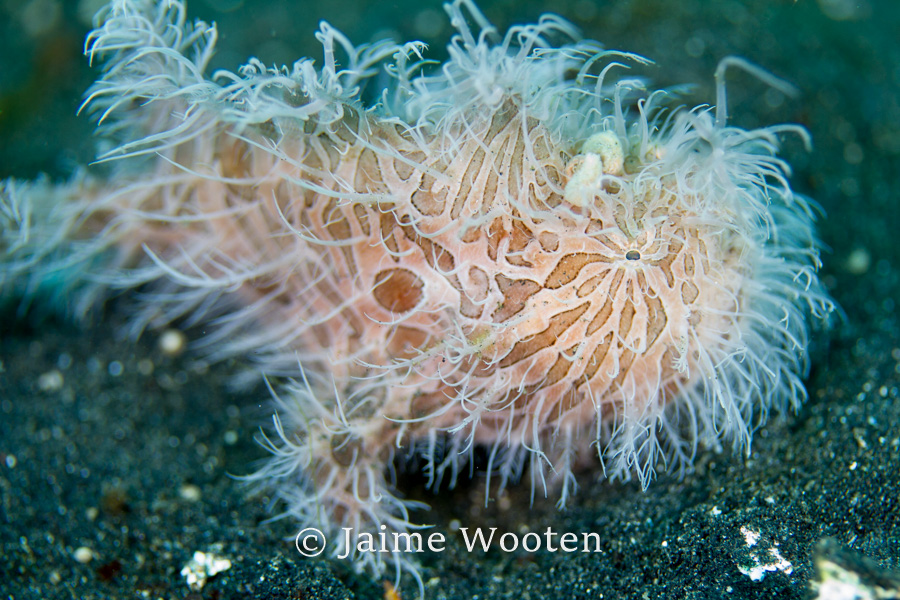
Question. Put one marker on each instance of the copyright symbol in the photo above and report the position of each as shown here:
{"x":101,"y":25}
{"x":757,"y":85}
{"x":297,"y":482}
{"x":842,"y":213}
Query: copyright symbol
{"x":310,"y":542}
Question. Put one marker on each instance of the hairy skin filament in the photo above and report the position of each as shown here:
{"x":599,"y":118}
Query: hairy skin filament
{"x":512,"y":250}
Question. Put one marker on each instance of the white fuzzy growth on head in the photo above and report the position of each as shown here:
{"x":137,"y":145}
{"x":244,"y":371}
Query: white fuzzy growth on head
{"x":511,"y":250}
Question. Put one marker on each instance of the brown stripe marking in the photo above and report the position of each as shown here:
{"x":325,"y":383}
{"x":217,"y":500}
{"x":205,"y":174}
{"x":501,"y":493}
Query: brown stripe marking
{"x":604,"y":313}
{"x":405,"y":170}
{"x":440,"y":259}
{"x":470,"y":173}
{"x":689,"y":292}
{"x":362,"y":217}
{"x":428,"y":201}
{"x":557,"y":371}
{"x":403,"y":342}
{"x":480,"y":283}
{"x":549,"y":241}
{"x":516,"y":293}
{"x":569,"y":266}
{"x":626,"y":359}
{"x":519,"y":238}
{"x":597,"y":357}
{"x":545,"y":339}
{"x":656,"y":319}
{"x":369,"y":178}
{"x":338,"y":227}
{"x":397,"y":290}
{"x":626,"y":318}
{"x":388,"y":227}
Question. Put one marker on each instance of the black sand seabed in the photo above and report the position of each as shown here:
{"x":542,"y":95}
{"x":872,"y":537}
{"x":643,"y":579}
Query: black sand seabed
{"x":108,"y":445}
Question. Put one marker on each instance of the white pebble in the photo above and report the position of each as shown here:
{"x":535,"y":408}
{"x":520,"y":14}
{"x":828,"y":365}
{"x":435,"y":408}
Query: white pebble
{"x":51,"y":381}
{"x":172,"y":342}
{"x":84,"y":555}
{"x":190,"y":492}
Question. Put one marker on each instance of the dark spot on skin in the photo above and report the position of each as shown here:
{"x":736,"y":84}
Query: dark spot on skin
{"x":397,"y":290}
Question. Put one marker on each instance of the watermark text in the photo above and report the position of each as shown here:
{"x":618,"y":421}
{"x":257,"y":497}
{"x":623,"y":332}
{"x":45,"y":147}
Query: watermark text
{"x":349,"y":542}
